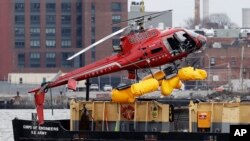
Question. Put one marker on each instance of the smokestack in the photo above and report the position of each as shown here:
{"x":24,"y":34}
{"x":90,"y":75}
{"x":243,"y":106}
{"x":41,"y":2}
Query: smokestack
{"x":205,"y":8}
{"x":197,"y":12}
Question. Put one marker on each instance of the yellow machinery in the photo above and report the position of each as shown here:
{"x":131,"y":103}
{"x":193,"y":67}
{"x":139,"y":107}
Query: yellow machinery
{"x":212,"y":117}
{"x":110,"y":116}
{"x":217,"y":116}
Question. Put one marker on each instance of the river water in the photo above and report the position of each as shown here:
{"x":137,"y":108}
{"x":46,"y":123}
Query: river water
{"x":6,"y":116}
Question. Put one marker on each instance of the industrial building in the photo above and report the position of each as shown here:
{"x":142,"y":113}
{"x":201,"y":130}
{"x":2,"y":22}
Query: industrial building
{"x":246,"y":17}
{"x":37,"y":36}
{"x":138,"y":9}
{"x":205,"y":8}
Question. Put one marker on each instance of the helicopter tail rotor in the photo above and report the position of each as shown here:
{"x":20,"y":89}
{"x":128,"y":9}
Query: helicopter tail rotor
{"x":40,"y":97}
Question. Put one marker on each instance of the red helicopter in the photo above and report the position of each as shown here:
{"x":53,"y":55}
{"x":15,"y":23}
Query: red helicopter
{"x":139,"y":48}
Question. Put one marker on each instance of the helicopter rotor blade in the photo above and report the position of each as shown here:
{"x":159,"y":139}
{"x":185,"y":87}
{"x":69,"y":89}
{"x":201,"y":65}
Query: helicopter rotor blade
{"x":98,"y":42}
{"x":56,"y":76}
{"x":150,"y":18}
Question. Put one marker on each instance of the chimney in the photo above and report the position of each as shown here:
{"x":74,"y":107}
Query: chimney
{"x":205,"y":8}
{"x":197,"y":12}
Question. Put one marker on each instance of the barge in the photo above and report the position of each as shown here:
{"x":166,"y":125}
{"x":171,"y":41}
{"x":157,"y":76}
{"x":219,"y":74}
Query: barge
{"x":141,"y":120}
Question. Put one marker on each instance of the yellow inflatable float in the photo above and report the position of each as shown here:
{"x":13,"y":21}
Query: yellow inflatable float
{"x":151,"y":83}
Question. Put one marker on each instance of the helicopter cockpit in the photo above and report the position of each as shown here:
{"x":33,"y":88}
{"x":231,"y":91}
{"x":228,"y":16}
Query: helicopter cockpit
{"x":179,"y":42}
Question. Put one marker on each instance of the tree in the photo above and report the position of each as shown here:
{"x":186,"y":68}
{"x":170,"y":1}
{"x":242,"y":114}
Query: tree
{"x":189,"y":23}
{"x":216,"y":21}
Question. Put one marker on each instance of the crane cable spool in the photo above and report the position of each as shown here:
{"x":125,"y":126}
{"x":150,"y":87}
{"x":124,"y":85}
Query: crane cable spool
{"x":128,"y":112}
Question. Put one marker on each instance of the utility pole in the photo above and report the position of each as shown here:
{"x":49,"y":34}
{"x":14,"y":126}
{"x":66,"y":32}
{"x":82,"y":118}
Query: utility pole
{"x":209,"y":67}
{"x":229,"y":73}
{"x":241,"y":68}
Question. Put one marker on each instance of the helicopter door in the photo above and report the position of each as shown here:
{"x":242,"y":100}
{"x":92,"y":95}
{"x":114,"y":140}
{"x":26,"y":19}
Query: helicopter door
{"x":178,"y":43}
{"x":172,"y":45}
{"x":184,"y":41}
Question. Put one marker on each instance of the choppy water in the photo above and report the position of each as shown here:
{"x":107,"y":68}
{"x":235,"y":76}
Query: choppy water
{"x":6,"y":116}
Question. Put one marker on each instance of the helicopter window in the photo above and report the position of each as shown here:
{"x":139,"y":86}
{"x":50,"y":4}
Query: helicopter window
{"x":173,"y":43}
{"x":181,"y":41}
{"x":180,"y":36}
{"x":193,"y":33}
{"x":166,"y":44}
{"x":153,"y":51}
{"x":189,"y":42}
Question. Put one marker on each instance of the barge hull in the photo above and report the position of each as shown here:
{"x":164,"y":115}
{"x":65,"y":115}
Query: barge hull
{"x":58,"y":131}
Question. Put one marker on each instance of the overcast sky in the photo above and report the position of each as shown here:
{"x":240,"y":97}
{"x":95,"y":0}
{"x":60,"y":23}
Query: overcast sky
{"x":184,"y":9}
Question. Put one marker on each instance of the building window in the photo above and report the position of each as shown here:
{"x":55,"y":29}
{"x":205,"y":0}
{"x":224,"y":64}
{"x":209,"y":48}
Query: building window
{"x":116,"y":18}
{"x":114,"y":29}
{"x":19,"y":44}
{"x":92,"y":8}
{"x":66,"y":31}
{"x":93,"y":52}
{"x":79,"y":7}
{"x":19,"y":31}
{"x":212,"y":61}
{"x":50,"y":7}
{"x":92,"y":14}
{"x":66,"y":19}
{"x":44,"y":80}
{"x":50,"y":43}
{"x":19,"y":7}
{"x":79,"y":43}
{"x":92,"y":20}
{"x":50,"y":31}
{"x":65,"y":62}
{"x":79,"y":32}
{"x":50,"y":19}
{"x":116,"y":7}
{"x":116,"y":45}
{"x":66,"y":43}
{"x":233,"y":61}
{"x":21,"y":60}
{"x":20,"y":80}
{"x":34,"y":19}
{"x":233,"y":58}
{"x":93,"y":32}
{"x":79,"y":19}
{"x":116,"y":42}
{"x":93,"y":55}
{"x":50,"y":60}
{"x":19,"y":19}
{"x":66,"y":7}
{"x":34,"y":31}
{"x":34,"y":60}
{"x":35,"y":43}
{"x":35,"y":7}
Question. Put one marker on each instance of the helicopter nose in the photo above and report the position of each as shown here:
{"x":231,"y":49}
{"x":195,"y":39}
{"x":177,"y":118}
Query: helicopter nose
{"x":202,"y":40}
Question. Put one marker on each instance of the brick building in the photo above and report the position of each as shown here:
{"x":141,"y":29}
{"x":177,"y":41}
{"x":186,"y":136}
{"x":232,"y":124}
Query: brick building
{"x":39,"y":35}
{"x":226,"y":64}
